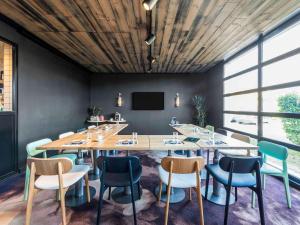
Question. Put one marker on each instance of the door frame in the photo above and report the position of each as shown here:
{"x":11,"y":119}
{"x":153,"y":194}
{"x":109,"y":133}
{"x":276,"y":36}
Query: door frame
{"x":14,"y":111}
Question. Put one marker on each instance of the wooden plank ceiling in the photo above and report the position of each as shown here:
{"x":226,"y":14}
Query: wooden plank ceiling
{"x":108,"y":36}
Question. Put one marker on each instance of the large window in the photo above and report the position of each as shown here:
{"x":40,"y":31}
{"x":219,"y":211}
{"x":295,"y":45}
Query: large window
{"x":262,"y":90}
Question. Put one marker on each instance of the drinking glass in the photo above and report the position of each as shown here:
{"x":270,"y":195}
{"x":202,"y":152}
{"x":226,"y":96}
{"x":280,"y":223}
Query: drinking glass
{"x":134,"y":137}
{"x":175,"y":136}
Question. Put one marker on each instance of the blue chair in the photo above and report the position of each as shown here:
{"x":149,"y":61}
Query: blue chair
{"x":32,"y":151}
{"x":280,"y":153}
{"x":119,"y":172}
{"x":238,"y":172}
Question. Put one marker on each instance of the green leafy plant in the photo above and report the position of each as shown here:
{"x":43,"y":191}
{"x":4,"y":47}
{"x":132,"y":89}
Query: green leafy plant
{"x":200,"y":110}
{"x":290,"y":103}
{"x":94,"y":111}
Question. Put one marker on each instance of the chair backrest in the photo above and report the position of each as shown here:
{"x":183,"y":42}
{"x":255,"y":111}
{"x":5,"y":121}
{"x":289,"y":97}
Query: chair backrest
{"x":31,"y":148}
{"x":221,"y":131}
{"x":50,"y":166}
{"x":183,"y":165}
{"x":67,"y":134}
{"x":210,"y":128}
{"x":81,"y":130}
{"x":241,"y":137}
{"x":118,"y":164}
{"x":240,"y":164}
{"x":91,"y":127}
{"x":274,"y":150}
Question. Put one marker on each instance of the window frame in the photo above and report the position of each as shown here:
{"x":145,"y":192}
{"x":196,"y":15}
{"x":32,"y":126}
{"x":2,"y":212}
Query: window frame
{"x":260,"y":114}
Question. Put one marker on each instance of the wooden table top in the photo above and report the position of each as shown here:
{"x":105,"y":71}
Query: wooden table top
{"x":106,"y":130}
{"x":219,"y":141}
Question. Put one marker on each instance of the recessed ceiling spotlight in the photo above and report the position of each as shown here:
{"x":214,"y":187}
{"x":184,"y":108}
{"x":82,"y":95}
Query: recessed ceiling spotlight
{"x":149,"y":4}
{"x":152,"y":59}
{"x":150,"y":39}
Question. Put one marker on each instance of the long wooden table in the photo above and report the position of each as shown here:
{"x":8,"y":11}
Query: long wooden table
{"x":207,"y":140}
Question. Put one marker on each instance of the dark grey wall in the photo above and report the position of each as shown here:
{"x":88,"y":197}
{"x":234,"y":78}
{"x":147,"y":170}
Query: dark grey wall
{"x":104,"y":90}
{"x":53,"y":94}
{"x":215,"y":96}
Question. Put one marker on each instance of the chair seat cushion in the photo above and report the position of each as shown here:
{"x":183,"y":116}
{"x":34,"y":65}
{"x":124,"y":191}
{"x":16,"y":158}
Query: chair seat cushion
{"x":238,"y":179}
{"x":269,"y":169}
{"x":70,"y":178}
{"x":178,"y":180}
{"x":122,"y":179}
{"x":73,"y":157}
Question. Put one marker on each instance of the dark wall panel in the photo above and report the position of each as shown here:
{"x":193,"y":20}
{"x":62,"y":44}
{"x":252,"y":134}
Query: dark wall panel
{"x":104,"y":91}
{"x":215,"y":96}
{"x":53,"y":94}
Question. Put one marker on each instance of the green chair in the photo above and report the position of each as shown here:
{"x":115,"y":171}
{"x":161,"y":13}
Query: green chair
{"x":32,"y":151}
{"x":279,"y":152}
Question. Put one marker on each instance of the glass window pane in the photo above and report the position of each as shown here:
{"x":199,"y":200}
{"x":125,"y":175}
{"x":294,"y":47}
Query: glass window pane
{"x":282,"y":100}
{"x":281,"y":43}
{"x":6,"y":66}
{"x":242,"y":62}
{"x":283,"y":71}
{"x":244,"y":123}
{"x":245,"y":102}
{"x":242,"y":82}
{"x":282,"y":129}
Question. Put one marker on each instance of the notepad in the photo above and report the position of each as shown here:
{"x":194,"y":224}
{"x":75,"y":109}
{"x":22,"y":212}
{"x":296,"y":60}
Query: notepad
{"x":172,"y":142}
{"x":75,"y":143}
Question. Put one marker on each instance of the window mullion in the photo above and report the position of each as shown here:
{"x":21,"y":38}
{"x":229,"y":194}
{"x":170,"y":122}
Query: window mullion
{"x":260,"y":58}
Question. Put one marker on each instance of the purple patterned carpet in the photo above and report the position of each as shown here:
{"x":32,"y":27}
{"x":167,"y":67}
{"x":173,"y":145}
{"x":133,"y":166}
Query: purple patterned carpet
{"x":46,"y":210}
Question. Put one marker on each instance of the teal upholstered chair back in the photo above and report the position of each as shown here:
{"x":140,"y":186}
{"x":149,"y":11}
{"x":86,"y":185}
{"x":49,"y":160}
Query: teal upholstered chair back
{"x":270,"y":149}
{"x":31,"y":148}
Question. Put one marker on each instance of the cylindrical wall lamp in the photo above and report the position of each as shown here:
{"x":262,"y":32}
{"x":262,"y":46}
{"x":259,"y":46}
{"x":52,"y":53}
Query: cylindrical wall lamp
{"x":149,"y":4}
{"x":119,"y":100}
{"x":150,"y":39}
{"x":177,"y":100}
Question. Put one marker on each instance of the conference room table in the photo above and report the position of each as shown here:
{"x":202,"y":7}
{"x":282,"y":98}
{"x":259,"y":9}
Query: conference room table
{"x":206,"y":140}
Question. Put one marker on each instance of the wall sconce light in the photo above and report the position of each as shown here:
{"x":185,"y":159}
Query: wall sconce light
{"x":119,"y":100}
{"x":150,"y":39}
{"x":149,"y":4}
{"x":177,"y":100}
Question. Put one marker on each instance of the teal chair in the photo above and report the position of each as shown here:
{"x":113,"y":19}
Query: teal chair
{"x":279,"y":152}
{"x":32,"y":151}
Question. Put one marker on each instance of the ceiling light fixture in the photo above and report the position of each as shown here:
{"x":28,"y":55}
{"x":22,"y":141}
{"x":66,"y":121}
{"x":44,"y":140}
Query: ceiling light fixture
{"x":149,"y":4}
{"x":150,"y":39}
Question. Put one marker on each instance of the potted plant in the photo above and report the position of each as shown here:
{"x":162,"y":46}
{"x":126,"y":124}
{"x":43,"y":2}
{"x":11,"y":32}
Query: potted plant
{"x":95,"y":114}
{"x":200,"y":110}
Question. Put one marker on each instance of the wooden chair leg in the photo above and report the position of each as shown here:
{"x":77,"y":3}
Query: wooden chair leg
{"x":100,"y":203}
{"x":190,"y":194}
{"x":133,"y":203}
{"x":287,"y":190}
{"x":29,"y":205}
{"x":167,"y":203}
{"x":87,"y":188}
{"x":160,"y":190}
{"x":199,"y":197}
{"x":92,"y":156}
{"x":236,"y":194}
{"x":62,"y":206}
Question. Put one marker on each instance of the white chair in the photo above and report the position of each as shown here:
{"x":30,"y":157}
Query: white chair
{"x":54,"y":174}
{"x":181,"y":173}
{"x":238,"y":152}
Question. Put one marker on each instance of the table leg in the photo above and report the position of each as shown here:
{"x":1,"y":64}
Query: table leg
{"x":95,"y":172}
{"x":79,"y":198}
{"x":216,"y":193}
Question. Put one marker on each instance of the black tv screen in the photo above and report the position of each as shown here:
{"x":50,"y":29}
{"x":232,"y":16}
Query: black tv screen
{"x":148,"y":100}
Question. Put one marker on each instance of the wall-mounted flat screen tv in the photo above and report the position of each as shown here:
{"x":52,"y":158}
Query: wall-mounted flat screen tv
{"x":148,"y":100}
